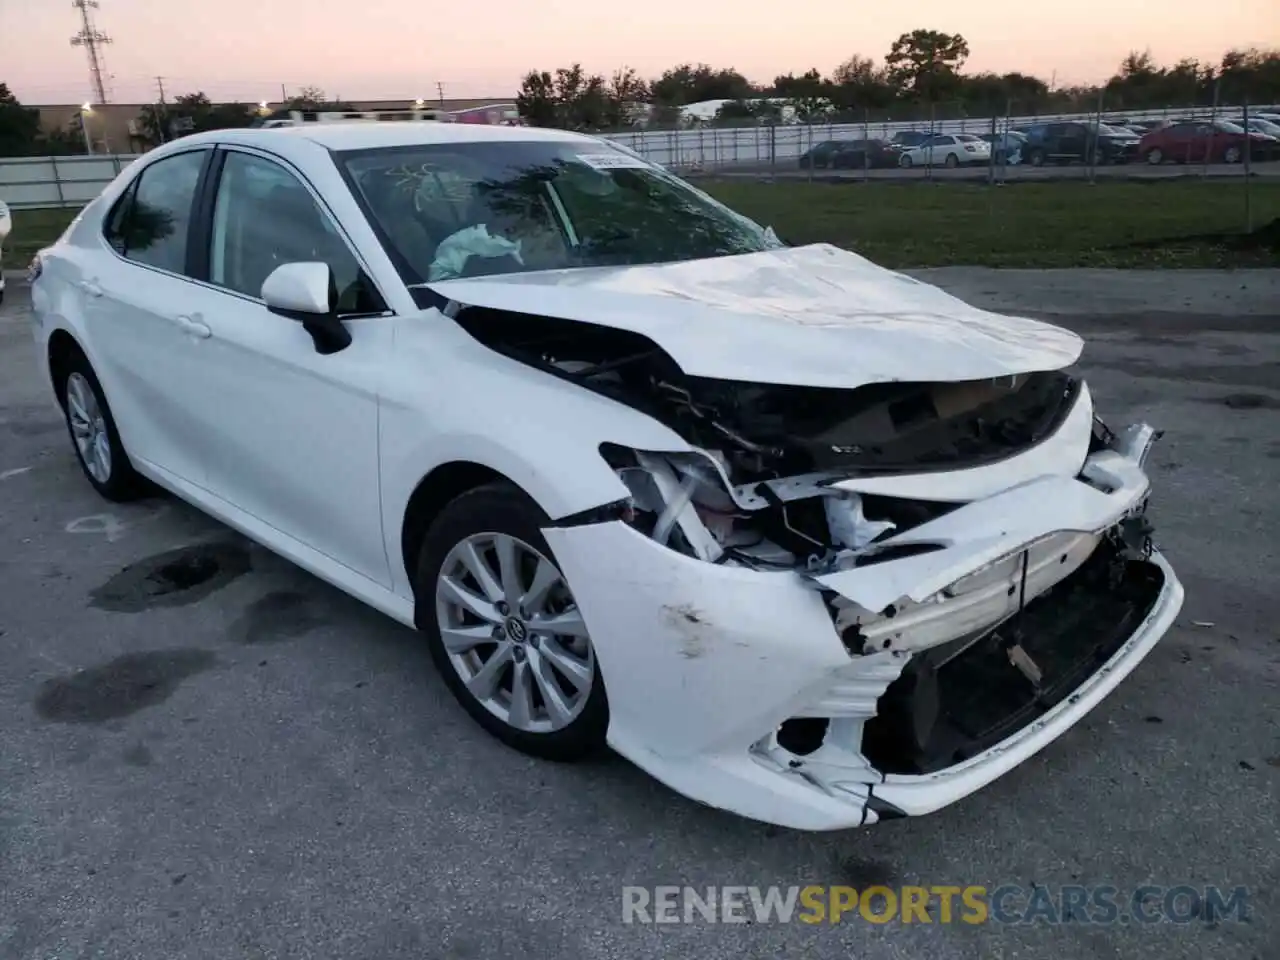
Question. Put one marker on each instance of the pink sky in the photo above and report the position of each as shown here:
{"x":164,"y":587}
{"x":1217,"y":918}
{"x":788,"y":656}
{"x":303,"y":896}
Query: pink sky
{"x":246,"y":49}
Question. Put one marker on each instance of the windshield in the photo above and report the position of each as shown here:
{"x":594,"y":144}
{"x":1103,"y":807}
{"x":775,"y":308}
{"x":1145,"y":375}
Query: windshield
{"x":1226,"y":126}
{"x":475,"y":209}
{"x":1107,"y":130}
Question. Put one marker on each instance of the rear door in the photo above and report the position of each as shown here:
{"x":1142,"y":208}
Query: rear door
{"x":136,"y":294}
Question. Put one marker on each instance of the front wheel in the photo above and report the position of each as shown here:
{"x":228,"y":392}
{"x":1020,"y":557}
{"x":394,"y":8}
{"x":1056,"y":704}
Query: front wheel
{"x":94,"y":436}
{"x":1155,"y":156}
{"x":904,"y":161}
{"x":952,"y":161}
{"x":1036,"y":158}
{"x":1232,"y":155}
{"x":504,"y":628}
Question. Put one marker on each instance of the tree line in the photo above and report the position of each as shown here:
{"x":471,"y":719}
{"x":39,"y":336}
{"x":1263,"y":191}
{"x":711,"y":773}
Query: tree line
{"x":21,"y":135}
{"x":922,"y":74}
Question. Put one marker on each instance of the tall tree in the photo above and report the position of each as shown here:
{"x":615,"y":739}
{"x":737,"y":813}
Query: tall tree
{"x":19,"y":126}
{"x":694,"y":83}
{"x":925,"y":64}
{"x":313,"y":98}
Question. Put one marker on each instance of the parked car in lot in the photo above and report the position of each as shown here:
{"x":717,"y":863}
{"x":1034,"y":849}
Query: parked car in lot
{"x":1202,"y":141}
{"x":807,"y":539}
{"x":1258,"y":125}
{"x":850,"y":154}
{"x":910,"y":138}
{"x":1008,"y":147}
{"x":946,"y":150}
{"x":1075,"y":142}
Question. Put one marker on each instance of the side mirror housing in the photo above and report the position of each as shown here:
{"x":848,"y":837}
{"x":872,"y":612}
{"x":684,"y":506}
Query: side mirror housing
{"x":306,"y":292}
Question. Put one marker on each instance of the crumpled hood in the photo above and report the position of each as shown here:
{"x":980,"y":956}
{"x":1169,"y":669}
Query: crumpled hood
{"x":814,"y":316}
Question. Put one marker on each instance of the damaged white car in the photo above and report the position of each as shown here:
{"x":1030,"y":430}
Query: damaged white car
{"x":804,"y":538}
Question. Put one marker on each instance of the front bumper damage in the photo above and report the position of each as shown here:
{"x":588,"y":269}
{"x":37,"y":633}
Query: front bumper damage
{"x":837,"y":695}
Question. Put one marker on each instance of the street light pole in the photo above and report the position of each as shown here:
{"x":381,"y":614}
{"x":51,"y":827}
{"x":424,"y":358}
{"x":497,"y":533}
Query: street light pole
{"x":84,"y":128}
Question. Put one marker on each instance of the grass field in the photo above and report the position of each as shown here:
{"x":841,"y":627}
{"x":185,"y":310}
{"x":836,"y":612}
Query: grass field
{"x":1155,"y":223}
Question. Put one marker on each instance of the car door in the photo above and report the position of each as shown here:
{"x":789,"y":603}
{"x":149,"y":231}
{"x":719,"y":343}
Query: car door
{"x":135,"y":293}
{"x":292,"y":439}
{"x":1072,"y":141}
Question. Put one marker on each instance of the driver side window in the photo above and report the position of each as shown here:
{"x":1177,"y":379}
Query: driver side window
{"x":264,"y":217}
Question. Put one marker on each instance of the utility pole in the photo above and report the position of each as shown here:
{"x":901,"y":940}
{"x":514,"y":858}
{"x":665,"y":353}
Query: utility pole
{"x":440,"y":91}
{"x":92,"y":39}
{"x":163,"y":111}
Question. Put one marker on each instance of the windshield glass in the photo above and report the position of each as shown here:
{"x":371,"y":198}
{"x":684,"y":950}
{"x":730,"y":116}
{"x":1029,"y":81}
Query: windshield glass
{"x":1107,"y":130}
{"x":1226,"y":126}
{"x":475,"y":209}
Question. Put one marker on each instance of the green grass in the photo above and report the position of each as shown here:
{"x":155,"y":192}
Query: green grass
{"x":33,"y":229}
{"x":1107,"y":224}
{"x":1061,"y":224}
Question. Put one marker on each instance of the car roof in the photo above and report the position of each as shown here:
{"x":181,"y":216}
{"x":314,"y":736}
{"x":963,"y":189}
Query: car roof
{"x":365,"y":135}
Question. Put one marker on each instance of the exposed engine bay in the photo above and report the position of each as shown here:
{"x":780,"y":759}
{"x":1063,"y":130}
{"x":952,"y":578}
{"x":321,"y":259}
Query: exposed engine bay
{"x":758,"y":491}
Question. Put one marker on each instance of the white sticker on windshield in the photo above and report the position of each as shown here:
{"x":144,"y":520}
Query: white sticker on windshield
{"x":614,"y":161}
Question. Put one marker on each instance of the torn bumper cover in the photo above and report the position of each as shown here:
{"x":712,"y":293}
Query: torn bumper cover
{"x":828,"y":698}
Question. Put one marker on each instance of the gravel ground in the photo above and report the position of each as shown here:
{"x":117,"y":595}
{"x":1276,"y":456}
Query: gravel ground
{"x":259,"y":767}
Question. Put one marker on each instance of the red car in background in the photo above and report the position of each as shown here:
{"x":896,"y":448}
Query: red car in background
{"x":1201,"y":141}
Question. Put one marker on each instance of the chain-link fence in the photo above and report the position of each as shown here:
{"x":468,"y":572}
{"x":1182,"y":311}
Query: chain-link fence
{"x":948,"y":139}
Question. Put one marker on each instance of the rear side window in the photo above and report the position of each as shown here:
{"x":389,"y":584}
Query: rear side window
{"x":150,"y":222}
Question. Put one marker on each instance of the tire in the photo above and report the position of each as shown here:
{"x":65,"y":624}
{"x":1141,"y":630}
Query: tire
{"x":1155,"y":156}
{"x":90,"y":424}
{"x":476,"y":519}
{"x":904,"y":161}
{"x":952,"y":161}
{"x":1232,"y":155}
{"x":1036,"y":158}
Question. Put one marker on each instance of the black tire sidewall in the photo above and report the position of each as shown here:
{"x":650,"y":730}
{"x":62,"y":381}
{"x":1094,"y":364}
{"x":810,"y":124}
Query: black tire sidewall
{"x":501,"y":508}
{"x":124,"y":484}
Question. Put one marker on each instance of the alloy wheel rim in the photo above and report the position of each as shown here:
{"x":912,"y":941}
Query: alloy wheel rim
{"x":513,"y":632}
{"x":88,"y":428}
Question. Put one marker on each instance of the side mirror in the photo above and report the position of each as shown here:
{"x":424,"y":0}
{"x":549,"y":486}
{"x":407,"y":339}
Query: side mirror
{"x":306,"y":292}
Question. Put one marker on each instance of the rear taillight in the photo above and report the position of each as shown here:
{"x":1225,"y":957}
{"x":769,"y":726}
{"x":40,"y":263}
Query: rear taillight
{"x":34,"y":269}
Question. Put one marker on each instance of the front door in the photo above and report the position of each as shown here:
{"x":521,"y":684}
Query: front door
{"x":295,"y":437}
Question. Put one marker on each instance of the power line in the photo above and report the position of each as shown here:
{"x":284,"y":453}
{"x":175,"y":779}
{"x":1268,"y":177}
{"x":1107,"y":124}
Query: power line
{"x":92,"y":39}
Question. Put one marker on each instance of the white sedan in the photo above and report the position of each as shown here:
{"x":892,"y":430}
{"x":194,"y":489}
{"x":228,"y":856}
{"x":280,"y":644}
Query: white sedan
{"x":947,"y":150}
{"x":6,"y":225}
{"x":806,"y":539}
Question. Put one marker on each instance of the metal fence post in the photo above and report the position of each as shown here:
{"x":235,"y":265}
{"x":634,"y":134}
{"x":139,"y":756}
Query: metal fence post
{"x":57,"y":181}
{"x":1248,"y":176}
{"x":866,"y":144}
{"x":991,"y":155}
{"x":1213,"y":129}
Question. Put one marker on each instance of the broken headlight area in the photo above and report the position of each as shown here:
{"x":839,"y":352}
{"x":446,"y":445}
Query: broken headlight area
{"x":941,"y":706}
{"x":689,"y":503}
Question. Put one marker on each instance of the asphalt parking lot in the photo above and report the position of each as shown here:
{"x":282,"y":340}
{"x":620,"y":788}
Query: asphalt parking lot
{"x":258,"y":767}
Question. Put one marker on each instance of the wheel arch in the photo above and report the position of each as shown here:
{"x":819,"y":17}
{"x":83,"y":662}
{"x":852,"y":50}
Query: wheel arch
{"x":433,"y":493}
{"x":60,"y":351}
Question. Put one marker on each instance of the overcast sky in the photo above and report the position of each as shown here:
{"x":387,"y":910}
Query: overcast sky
{"x":371,"y":49}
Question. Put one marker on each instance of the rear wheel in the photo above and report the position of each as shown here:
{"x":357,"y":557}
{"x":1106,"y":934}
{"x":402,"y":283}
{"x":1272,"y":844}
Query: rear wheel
{"x":904,"y":161}
{"x":1036,"y":158}
{"x":504,"y":628}
{"x":94,"y":436}
{"x":952,"y":161}
{"x":1155,"y":156}
{"x":1232,"y":155}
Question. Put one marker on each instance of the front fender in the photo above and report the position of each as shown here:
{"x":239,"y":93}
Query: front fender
{"x":452,"y":399}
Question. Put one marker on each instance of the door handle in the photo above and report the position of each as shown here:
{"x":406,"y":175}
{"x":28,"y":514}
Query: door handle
{"x":196,"y":328}
{"x":91,"y":288}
